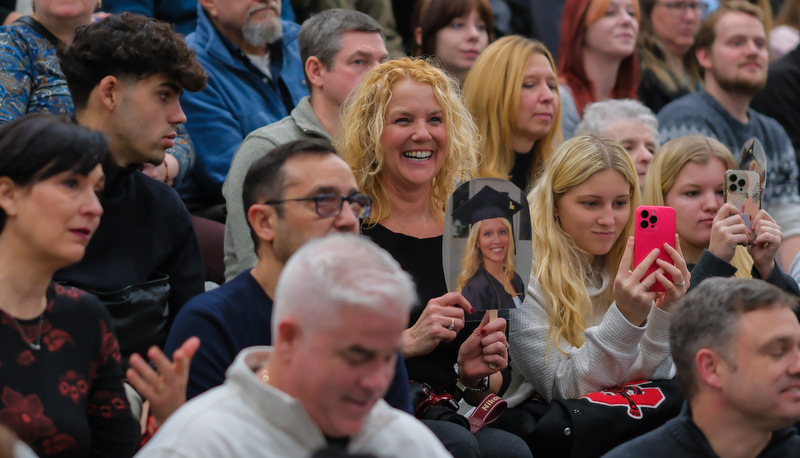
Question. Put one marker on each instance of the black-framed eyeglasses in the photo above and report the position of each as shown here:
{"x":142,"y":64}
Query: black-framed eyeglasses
{"x":330,"y":205}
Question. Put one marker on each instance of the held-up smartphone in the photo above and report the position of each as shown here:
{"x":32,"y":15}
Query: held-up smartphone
{"x":655,"y":226}
{"x":743,"y":191}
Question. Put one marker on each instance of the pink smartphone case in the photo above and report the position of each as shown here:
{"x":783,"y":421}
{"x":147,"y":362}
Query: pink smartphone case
{"x":655,"y":226}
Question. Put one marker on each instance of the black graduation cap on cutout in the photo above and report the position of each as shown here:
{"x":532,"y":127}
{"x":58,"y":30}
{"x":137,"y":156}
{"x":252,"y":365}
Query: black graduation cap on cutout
{"x":487,"y":203}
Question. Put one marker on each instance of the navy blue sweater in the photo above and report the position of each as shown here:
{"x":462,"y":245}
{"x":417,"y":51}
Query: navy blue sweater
{"x":231,"y":318}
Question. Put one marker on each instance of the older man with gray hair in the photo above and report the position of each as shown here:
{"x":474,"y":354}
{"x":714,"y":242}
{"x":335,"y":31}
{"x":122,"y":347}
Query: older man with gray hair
{"x":337,"y":47}
{"x":341,"y":307}
{"x":255,"y":78}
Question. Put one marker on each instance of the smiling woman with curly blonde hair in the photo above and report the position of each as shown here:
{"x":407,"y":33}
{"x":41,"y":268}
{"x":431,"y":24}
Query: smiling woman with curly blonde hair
{"x":409,"y":139}
{"x":365,"y":121}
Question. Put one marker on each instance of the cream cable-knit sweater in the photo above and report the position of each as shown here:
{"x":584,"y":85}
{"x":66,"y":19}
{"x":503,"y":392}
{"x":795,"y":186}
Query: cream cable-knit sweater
{"x":615,"y":350}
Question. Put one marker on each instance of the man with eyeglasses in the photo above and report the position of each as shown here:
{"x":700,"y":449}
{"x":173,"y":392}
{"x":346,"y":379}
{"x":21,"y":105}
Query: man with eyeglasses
{"x":731,"y":49}
{"x":667,"y":34}
{"x":298,"y":191}
{"x":341,"y":306}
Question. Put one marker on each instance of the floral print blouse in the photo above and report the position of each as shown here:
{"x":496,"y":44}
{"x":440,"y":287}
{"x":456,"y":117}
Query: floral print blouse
{"x":65,"y":399}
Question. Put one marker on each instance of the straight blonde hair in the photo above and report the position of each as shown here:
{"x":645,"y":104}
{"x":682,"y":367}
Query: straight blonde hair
{"x":473,"y":259}
{"x":560,"y":266}
{"x":667,"y":166}
{"x":492,"y":92}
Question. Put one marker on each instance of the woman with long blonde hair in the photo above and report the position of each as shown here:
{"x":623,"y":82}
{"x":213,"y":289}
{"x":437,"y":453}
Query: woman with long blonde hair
{"x":576,"y":333}
{"x":488,"y":279}
{"x":518,"y":118}
{"x":408,"y":138}
{"x":365,"y":121}
{"x":688,"y":174}
{"x":476,"y":264}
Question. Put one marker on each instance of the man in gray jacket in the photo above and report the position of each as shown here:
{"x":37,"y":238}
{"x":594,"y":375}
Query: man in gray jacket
{"x":341,"y":306}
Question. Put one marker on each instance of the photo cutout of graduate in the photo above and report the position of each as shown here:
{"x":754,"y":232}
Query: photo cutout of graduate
{"x":490,"y":237}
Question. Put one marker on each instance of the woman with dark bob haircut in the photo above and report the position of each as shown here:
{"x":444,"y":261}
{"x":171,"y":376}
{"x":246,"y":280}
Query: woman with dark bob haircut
{"x":61,"y":385}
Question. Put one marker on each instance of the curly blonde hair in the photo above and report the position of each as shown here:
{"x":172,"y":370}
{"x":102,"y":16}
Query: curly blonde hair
{"x":560,"y":266}
{"x":362,"y":125}
{"x":491,"y":90}
{"x":473,"y":259}
{"x":667,"y":165}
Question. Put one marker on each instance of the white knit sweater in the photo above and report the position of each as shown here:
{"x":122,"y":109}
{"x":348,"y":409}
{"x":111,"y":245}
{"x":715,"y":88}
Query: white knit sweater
{"x":615,"y":350}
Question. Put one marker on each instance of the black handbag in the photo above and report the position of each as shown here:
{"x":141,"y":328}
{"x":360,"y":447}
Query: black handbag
{"x":139,"y":314}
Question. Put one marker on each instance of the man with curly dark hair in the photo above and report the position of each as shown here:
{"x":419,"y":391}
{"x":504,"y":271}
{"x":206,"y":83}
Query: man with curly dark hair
{"x":126,"y":75}
{"x":128,"y":53}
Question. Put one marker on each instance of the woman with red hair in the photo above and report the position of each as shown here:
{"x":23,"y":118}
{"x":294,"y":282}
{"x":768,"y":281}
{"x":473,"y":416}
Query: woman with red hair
{"x":597,"y":59}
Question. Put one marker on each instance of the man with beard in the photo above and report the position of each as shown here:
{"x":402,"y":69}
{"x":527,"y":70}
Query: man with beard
{"x":732,"y":54}
{"x":338,"y":47}
{"x":736,"y":344}
{"x":255,"y":78}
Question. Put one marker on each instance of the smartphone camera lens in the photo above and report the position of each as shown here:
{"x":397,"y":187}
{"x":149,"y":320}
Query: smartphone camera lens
{"x":734,"y":177}
{"x":644,"y":224}
{"x":733,"y":187}
{"x":645,"y":214}
{"x":653,"y":219}
{"x":742,"y":183}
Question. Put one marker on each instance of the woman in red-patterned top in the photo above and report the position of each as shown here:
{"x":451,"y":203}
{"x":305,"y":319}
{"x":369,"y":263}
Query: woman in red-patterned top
{"x":61,"y":386}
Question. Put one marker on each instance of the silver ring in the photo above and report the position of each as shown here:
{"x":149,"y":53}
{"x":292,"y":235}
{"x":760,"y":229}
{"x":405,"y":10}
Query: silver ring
{"x":452,"y":324}
{"x":681,"y":283}
{"x":645,"y":286}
